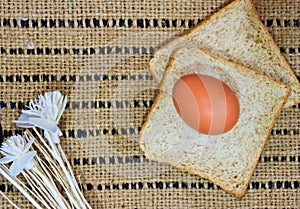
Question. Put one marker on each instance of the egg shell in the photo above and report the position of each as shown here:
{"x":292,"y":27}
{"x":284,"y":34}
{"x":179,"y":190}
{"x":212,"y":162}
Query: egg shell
{"x":206,"y":103}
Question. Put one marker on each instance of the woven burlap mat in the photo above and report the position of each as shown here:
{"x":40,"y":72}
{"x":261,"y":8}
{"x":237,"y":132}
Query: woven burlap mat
{"x":97,"y":53}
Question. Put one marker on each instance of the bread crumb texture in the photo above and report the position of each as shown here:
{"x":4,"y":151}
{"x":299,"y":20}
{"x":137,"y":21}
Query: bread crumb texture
{"x":235,"y":33}
{"x":228,"y":159}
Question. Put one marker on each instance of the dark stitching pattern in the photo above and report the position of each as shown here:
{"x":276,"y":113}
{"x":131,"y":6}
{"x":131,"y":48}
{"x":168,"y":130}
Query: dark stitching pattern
{"x":281,"y":23}
{"x":142,"y":159}
{"x":172,"y":185}
{"x":110,"y":160}
{"x":127,"y":23}
{"x":88,"y":104}
{"x":83,"y":133}
{"x":101,"y":51}
{"x":77,"y":51}
{"x":284,"y":131}
{"x":71,"y":78}
{"x":1,"y":135}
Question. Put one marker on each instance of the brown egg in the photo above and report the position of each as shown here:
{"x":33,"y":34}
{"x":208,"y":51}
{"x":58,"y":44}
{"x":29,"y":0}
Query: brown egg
{"x":206,"y":103}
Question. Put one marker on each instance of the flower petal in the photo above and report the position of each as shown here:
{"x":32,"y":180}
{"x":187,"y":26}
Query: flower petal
{"x":33,"y":113}
{"x":62,"y":107}
{"x":30,"y":164}
{"x":11,"y":146}
{"x":7,"y":159}
{"x":44,"y":124}
{"x":23,"y":117}
{"x":23,"y":121}
{"x":28,"y":145}
{"x":19,"y":164}
{"x":54,"y":137}
{"x":22,"y":125}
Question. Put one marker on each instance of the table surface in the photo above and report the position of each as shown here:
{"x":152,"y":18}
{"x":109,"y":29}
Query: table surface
{"x":97,"y":53}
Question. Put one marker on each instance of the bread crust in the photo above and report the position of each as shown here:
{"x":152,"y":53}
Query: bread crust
{"x":187,"y":32}
{"x":254,"y":163}
{"x":270,"y":39}
{"x":264,"y":29}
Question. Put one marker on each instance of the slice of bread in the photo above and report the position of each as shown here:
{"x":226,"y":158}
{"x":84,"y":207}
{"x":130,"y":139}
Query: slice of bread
{"x":228,"y":159}
{"x":234,"y":33}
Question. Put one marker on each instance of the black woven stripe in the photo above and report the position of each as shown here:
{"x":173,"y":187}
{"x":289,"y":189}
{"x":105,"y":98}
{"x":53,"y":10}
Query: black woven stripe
{"x":87,"y":104}
{"x":289,"y":50}
{"x":171,"y":185}
{"x":266,"y":159}
{"x":189,"y":185}
{"x":285,"y":131}
{"x":100,"y":51}
{"x":126,"y":23}
{"x":142,"y":159}
{"x":83,"y":133}
{"x":71,"y":78}
{"x":109,"y":160}
{"x":78,"y":51}
{"x":1,"y":134}
{"x":281,"y":22}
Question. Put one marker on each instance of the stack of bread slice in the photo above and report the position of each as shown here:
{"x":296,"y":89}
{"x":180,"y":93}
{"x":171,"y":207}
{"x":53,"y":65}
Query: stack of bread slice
{"x":234,"y":46}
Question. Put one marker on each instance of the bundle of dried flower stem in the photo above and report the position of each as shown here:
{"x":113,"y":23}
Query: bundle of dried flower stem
{"x":38,"y":157}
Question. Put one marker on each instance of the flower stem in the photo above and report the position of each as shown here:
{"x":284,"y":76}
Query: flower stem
{"x":58,"y":174}
{"x":68,"y":176}
{"x":50,"y":188}
{"x":72,"y":176}
{"x":39,"y":191}
{"x":76,"y":196}
{"x":5,"y":173}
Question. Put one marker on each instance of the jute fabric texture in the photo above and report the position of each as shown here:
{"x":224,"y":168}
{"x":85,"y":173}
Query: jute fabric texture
{"x":97,"y":53}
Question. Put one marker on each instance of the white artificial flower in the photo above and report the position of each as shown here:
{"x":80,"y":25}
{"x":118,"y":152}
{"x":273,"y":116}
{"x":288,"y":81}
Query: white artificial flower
{"x":16,"y":150}
{"x":44,"y":113}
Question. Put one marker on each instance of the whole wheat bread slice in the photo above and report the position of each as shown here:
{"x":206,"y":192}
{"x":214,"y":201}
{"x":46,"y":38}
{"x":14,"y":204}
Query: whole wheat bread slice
{"x":228,"y":159}
{"x":234,"y":33}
